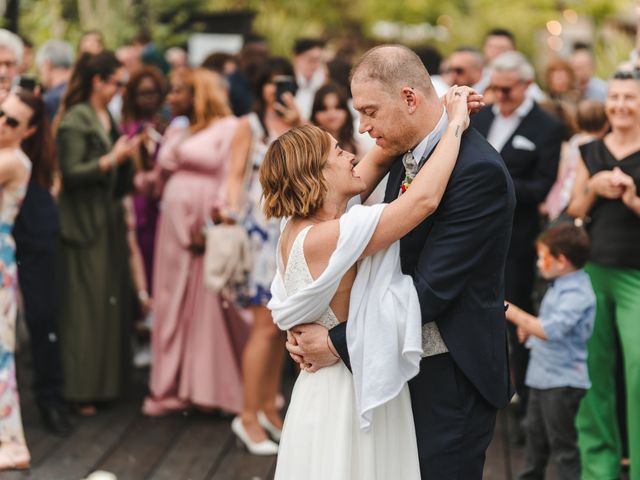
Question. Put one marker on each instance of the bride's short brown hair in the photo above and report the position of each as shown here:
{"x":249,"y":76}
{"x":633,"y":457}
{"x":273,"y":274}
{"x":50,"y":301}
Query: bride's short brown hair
{"x":291,"y":173}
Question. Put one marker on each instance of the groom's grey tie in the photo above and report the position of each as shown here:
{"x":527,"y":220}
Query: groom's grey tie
{"x":410,"y":165}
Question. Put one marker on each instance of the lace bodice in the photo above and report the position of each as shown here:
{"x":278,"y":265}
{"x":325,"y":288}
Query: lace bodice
{"x":297,"y":275}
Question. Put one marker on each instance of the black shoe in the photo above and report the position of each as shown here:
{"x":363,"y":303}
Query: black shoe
{"x":56,"y":421}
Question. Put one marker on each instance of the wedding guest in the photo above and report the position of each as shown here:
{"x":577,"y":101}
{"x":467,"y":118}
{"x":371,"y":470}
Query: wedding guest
{"x":496,"y":42}
{"x":330,"y":111}
{"x":36,"y":232}
{"x":557,"y":338}
{"x":560,"y":80}
{"x":11,"y":51}
{"x":222,"y":63}
{"x":263,"y":356}
{"x":55,"y":61}
{"x":583,"y":63}
{"x":141,"y":112}
{"x":465,"y":66}
{"x":194,"y":345}
{"x":310,"y":75}
{"x":97,"y":173}
{"x":592,"y":124}
{"x":15,"y":167}
{"x":605,"y":189}
{"x":529,"y":140}
{"x":252,"y":56}
{"x":177,"y":59}
{"x":91,"y":41}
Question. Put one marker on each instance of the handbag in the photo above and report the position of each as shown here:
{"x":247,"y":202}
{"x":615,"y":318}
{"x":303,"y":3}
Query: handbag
{"x":227,"y":258}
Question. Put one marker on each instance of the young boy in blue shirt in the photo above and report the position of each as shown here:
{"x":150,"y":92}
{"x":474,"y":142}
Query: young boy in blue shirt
{"x":557,"y":374}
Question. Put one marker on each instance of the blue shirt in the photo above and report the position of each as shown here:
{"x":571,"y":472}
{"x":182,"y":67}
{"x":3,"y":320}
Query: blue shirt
{"x":567,"y":314}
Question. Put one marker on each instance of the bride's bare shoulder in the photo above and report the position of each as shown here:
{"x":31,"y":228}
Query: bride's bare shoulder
{"x":321,"y":241}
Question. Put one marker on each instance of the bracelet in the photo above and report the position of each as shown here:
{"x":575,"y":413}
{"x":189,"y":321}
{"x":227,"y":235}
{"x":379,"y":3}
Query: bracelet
{"x":329,"y":347}
{"x":143,"y":295}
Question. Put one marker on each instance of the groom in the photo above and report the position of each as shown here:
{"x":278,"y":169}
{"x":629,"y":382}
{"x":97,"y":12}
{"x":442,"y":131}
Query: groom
{"x":456,"y":258}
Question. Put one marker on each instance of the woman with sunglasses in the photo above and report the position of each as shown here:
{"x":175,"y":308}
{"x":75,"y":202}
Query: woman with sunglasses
{"x":95,"y":282}
{"x":606,"y":189}
{"x":141,"y":113}
{"x":17,"y":122}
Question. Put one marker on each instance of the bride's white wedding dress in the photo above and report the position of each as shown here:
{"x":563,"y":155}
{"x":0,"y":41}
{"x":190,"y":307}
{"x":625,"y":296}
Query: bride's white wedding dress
{"x":322,"y":439}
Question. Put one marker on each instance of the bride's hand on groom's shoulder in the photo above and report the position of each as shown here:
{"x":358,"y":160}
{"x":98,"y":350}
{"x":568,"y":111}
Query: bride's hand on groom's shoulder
{"x":460,"y":102}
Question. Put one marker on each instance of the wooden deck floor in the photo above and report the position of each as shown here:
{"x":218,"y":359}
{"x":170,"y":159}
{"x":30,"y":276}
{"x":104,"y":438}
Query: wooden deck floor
{"x":186,"y":447}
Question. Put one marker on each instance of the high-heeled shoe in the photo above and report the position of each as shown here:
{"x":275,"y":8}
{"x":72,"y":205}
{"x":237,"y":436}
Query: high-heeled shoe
{"x":274,"y":432}
{"x":265,"y":447}
{"x":14,"y":457}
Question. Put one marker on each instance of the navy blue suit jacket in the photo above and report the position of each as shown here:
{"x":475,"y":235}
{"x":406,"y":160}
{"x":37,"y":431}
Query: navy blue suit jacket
{"x":533,"y":171}
{"x":456,"y":258}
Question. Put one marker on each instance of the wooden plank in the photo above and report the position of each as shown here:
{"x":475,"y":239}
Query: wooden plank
{"x":196,"y":451}
{"x":142,"y":447}
{"x":238,"y":464}
{"x":78,"y":454}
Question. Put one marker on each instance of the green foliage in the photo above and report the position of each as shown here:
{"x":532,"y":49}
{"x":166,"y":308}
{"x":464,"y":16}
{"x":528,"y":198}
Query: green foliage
{"x":282,"y":21}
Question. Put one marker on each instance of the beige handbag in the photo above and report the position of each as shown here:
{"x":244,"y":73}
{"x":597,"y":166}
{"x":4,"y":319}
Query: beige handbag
{"x":227,"y":258}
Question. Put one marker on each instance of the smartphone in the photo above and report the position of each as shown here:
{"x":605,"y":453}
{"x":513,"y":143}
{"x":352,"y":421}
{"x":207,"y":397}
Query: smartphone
{"x":284,"y":83}
{"x":28,"y":83}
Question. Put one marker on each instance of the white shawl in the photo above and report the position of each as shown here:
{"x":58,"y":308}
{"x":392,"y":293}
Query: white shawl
{"x":384,"y":328}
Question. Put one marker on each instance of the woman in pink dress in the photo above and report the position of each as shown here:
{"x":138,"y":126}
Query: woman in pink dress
{"x":194,"y":362}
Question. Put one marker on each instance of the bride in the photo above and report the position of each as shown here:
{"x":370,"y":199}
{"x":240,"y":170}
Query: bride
{"x":339,"y":425}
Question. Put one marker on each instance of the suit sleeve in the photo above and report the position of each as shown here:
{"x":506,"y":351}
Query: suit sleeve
{"x":476,"y":208}
{"x":535,"y":189}
{"x":338,"y":335}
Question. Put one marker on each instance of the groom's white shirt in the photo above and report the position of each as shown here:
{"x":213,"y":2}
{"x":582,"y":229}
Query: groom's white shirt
{"x":428,"y":143}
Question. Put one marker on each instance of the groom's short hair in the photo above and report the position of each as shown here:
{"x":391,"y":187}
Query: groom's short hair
{"x":394,"y":66}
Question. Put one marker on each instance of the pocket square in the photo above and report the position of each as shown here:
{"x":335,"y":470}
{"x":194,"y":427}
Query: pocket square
{"x":523,"y":143}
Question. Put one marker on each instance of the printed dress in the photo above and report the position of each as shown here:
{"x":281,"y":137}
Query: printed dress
{"x":10,"y":420}
{"x":263,"y":233}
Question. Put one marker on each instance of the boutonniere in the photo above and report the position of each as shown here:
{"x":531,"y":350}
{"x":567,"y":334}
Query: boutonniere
{"x":406,"y":183}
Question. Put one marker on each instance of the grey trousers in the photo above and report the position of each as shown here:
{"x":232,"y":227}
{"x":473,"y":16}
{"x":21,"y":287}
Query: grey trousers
{"x":551,"y":433}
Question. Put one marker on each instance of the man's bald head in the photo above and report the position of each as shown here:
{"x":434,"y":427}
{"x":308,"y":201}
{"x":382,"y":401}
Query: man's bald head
{"x":395,"y":67}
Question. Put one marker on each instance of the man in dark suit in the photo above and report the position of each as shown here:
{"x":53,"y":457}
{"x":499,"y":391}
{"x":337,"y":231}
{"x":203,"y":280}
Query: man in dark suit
{"x":529,"y":141}
{"x":456,"y":258}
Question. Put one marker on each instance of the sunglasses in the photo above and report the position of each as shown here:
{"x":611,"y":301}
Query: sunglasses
{"x":10,"y":121}
{"x":505,"y":91}
{"x":456,"y":70}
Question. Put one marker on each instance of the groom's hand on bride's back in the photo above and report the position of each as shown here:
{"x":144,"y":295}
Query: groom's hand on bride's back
{"x":310,"y":346}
